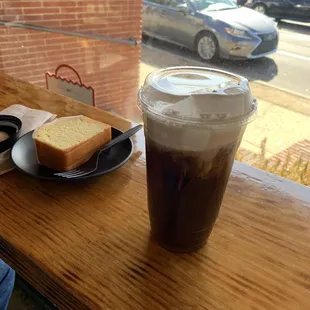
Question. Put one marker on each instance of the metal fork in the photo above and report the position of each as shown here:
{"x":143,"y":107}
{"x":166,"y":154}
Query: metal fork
{"x":92,"y":165}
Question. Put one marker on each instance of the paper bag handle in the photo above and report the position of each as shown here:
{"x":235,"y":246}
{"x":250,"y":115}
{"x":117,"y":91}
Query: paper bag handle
{"x":68,"y":67}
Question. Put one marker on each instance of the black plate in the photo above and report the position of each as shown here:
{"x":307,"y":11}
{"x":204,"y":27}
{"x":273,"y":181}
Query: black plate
{"x":25,"y":160}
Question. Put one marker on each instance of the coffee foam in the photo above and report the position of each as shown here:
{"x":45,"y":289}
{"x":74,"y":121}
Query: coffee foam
{"x":161,"y":127}
{"x":189,"y":138}
{"x":182,"y":109}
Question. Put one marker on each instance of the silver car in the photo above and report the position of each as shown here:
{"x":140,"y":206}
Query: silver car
{"x":213,"y":28}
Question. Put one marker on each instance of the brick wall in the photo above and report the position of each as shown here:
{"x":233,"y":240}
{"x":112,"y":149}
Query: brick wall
{"x":112,"y":69}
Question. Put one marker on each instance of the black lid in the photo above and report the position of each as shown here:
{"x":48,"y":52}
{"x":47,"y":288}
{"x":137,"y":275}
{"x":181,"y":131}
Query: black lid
{"x":9,"y":120}
{"x":10,"y":125}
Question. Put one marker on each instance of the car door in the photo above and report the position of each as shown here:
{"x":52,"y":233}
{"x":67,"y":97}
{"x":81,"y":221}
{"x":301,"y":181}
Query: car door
{"x":279,"y":8}
{"x":151,"y":14}
{"x":290,"y":8}
{"x":302,"y":10}
{"x":179,"y":22}
{"x":307,"y":10}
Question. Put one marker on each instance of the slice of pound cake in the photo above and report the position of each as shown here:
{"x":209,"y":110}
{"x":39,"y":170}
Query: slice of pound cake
{"x":69,"y":142}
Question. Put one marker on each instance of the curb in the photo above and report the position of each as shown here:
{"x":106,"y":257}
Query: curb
{"x":281,"y":97}
{"x":290,"y":92}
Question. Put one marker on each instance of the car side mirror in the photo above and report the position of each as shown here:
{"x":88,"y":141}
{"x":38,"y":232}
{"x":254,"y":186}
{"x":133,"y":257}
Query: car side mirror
{"x":183,"y":8}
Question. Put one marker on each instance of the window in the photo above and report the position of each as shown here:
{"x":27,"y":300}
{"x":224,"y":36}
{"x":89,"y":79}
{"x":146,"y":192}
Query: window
{"x":103,"y":42}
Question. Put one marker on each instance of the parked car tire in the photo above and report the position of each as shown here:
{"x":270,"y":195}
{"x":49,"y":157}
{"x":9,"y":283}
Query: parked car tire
{"x":261,"y":8}
{"x":207,"y":46}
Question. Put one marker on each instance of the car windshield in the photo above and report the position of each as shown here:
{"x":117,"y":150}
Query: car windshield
{"x":213,"y":5}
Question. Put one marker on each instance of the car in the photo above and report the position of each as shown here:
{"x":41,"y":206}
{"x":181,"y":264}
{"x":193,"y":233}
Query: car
{"x":298,"y":10}
{"x":213,"y":28}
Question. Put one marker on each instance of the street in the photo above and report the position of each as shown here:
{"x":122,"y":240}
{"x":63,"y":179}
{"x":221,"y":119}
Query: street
{"x":283,"y":115}
{"x":287,"y":69}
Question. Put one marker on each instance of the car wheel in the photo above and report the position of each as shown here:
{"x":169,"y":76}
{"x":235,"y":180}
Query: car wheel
{"x":261,"y":8}
{"x":207,"y":46}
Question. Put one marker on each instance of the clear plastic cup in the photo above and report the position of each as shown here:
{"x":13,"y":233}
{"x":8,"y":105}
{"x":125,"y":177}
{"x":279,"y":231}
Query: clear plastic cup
{"x":194,"y":120}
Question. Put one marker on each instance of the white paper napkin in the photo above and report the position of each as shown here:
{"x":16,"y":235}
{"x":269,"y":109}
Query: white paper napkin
{"x":31,"y":119}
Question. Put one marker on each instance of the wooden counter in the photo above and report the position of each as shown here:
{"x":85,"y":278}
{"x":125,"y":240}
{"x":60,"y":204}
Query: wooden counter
{"x":86,"y":245}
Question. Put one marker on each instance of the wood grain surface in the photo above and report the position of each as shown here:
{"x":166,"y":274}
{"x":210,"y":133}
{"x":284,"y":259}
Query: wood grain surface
{"x":86,"y":245}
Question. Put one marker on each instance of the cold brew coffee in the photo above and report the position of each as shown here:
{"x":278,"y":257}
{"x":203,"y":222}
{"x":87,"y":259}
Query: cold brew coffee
{"x":191,"y":140}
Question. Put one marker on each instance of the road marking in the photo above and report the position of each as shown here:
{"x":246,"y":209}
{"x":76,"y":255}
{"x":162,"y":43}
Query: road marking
{"x":287,"y":21}
{"x":300,"y":36}
{"x":294,"y":55}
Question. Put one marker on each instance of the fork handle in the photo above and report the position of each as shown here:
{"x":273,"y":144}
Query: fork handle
{"x":124,"y":136}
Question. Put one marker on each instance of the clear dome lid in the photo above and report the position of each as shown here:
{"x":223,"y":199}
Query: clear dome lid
{"x":198,"y":96}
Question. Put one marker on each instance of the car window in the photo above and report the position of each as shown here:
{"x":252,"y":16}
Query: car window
{"x":176,"y":3}
{"x":213,"y":5}
{"x":164,"y":2}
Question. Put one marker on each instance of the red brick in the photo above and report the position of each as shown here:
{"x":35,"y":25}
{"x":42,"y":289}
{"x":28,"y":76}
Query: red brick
{"x":40,"y":47}
{"x":70,"y":28}
{"x":9,"y":18}
{"x":5,"y":1}
{"x":12,"y":45}
{"x":60,"y":17}
{"x":46,"y":60}
{"x":39,"y":35}
{"x":14,"y":30}
{"x":93,"y":15}
{"x":23,"y":68}
{"x":14,"y":38}
{"x":42,"y":11}
{"x":25,"y":4}
{"x":31,"y":18}
{"x":73,"y":51}
{"x":14,"y":63}
{"x":72,"y":45}
{"x":38,"y":59}
{"x":33,"y":43}
{"x":73,"y":9}
{"x":62,"y":40}
{"x":94,"y":3}
{"x":58,"y":4}
{"x":11,"y":12}
{"x":49,"y":23}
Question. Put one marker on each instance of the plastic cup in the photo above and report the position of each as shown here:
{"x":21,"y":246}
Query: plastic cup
{"x":194,"y":120}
